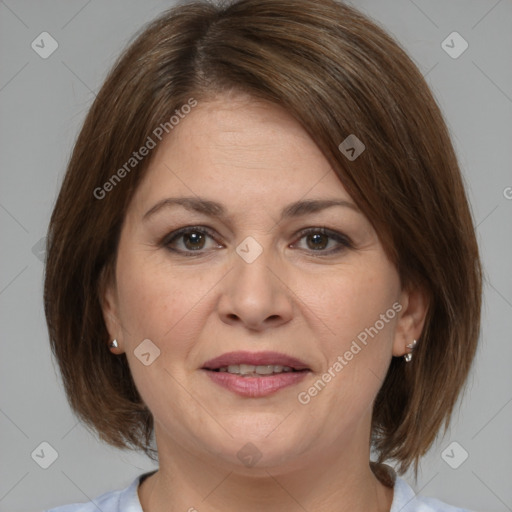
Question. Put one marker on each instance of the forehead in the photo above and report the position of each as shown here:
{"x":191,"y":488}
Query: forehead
{"x":239,"y":150}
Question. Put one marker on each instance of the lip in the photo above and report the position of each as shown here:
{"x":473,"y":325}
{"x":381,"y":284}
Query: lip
{"x":256,"y":359}
{"x":255,"y":387}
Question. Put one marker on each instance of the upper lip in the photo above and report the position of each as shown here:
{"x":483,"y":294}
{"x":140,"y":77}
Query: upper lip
{"x":256,"y":359}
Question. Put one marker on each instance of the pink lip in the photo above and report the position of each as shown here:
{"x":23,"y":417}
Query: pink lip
{"x":256,"y":359}
{"x":255,"y":386}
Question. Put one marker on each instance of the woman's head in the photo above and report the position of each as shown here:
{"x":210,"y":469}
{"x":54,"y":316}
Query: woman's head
{"x":256,"y":106}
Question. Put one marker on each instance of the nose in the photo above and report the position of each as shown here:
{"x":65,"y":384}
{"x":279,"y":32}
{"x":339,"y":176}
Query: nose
{"x":255,"y":295}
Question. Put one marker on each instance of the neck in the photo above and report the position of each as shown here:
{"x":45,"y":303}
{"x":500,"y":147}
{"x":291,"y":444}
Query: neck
{"x":339,"y":481}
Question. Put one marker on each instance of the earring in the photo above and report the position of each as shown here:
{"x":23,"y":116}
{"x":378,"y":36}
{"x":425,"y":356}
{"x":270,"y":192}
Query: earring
{"x":411,"y":346}
{"x":114,"y":344}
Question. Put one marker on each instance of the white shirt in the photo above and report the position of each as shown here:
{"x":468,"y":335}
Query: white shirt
{"x":127,"y":500}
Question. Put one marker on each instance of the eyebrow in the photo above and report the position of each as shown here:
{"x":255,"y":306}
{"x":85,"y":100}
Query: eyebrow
{"x":215,"y":209}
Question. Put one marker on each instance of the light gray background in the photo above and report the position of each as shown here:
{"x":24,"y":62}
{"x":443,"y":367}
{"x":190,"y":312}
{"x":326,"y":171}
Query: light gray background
{"x":42,"y":105}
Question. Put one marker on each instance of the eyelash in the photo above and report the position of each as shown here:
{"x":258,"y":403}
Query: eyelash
{"x":343,"y":240}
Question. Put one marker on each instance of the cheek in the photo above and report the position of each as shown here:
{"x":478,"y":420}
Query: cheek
{"x":354,"y":298}
{"x":160,"y":301}
{"x":357,"y":307}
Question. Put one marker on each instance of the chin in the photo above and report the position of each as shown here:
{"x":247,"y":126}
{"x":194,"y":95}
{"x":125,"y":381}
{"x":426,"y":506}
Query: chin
{"x":263,"y":443}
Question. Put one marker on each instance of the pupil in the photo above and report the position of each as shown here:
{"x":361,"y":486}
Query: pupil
{"x":193,"y":240}
{"x":319,"y":241}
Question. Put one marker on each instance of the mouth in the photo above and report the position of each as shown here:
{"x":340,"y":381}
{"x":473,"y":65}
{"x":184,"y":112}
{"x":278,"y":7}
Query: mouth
{"x":255,"y":363}
{"x":255,"y":374}
{"x":250,"y":370}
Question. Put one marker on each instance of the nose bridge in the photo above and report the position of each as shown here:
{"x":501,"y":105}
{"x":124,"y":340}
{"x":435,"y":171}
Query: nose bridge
{"x":254,"y":295}
{"x":252,"y":263}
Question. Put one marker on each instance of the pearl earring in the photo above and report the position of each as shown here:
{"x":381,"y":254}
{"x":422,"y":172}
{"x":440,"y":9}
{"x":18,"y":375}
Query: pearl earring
{"x":411,"y":346}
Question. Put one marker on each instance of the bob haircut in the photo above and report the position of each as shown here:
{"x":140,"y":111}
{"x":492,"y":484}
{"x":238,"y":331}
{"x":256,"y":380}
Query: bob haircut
{"x":337,"y":73}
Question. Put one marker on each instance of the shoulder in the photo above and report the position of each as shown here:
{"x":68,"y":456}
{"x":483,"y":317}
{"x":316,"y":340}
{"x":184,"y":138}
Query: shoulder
{"x":108,"y":502}
{"x":124,"y":500}
{"x":406,"y":500}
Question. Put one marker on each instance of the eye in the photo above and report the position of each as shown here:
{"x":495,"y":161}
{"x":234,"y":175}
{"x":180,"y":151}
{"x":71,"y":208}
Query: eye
{"x":190,"y":239}
{"x":320,"y":239}
{"x":200,"y":239}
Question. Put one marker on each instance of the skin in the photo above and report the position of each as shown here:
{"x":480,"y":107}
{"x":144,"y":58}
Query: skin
{"x":294,"y":298}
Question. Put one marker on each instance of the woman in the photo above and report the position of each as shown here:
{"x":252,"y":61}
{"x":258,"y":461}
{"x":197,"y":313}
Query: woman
{"x":262,"y":253}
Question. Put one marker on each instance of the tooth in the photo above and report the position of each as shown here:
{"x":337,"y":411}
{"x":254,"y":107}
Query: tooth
{"x":247,"y":368}
{"x":265,"y":369}
{"x":253,"y":370}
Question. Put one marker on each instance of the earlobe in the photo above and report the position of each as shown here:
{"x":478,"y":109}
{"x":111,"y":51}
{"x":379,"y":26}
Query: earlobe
{"x":415,"y":304}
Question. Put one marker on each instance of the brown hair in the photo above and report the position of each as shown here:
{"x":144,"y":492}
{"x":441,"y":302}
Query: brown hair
{"x":338,"y":74}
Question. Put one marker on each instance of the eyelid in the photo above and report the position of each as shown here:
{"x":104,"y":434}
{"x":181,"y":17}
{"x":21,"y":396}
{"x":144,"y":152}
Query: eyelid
{"x":169,"y":237}
{"x":341,"y":238}
{"x":344,"y":242}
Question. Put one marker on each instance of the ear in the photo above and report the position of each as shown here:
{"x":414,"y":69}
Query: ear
{"x":415,"y":303}
{"x":107,"y":292}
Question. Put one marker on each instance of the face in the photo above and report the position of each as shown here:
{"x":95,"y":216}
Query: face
{"x":268,"y":263}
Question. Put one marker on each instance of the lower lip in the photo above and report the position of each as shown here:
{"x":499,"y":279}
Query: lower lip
{"x":255,"y":386}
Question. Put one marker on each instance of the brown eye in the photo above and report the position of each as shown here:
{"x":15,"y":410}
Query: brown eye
{"x":324,"y":241}
{"x":190,"y":239}
{"x":317,"y":241}
{"x":193,"y":240}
